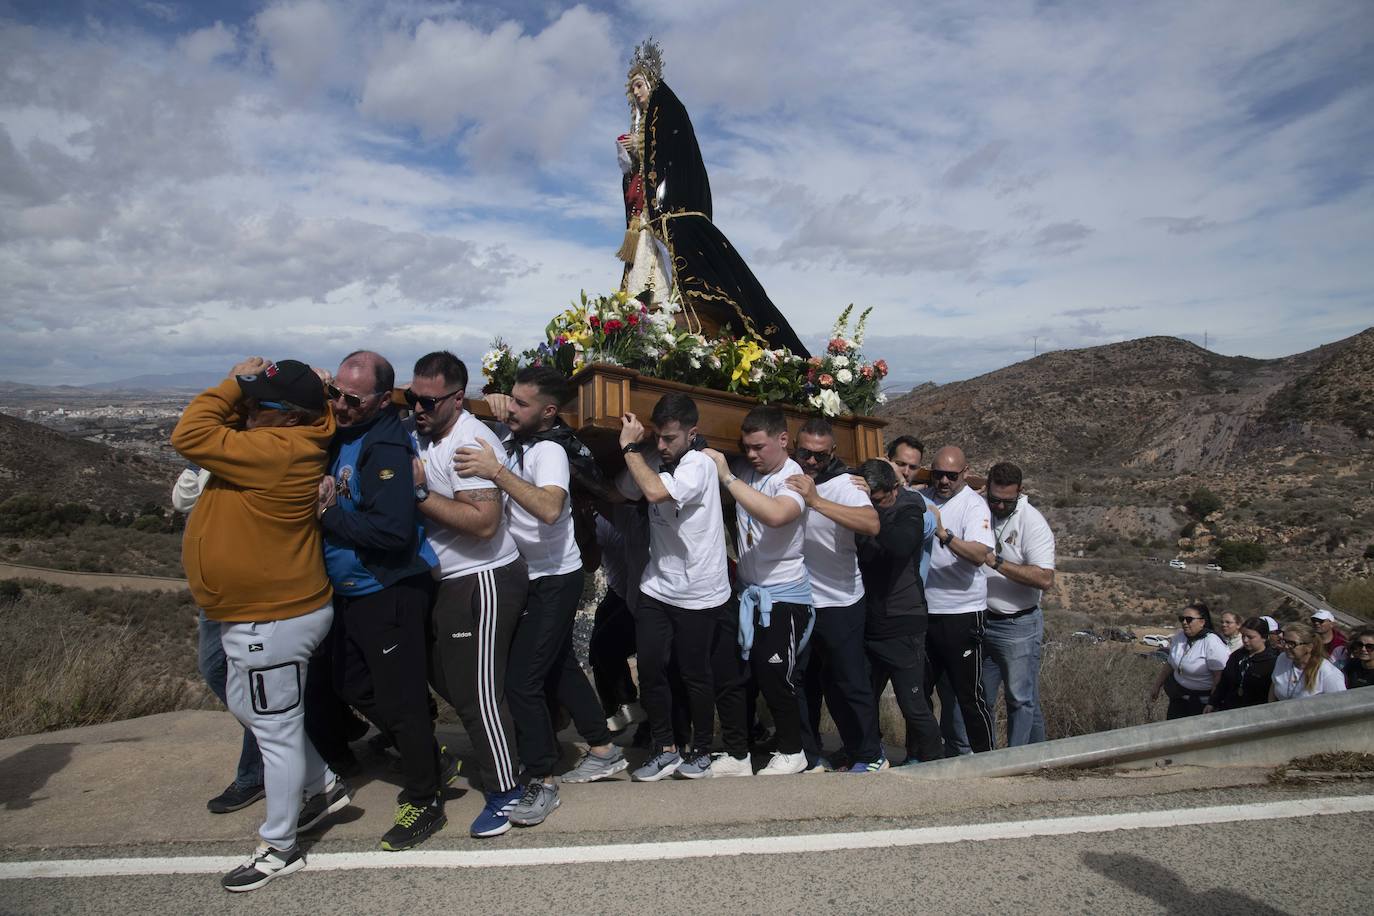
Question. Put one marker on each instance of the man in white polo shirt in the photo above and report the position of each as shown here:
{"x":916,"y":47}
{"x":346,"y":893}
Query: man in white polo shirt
{"x":957,"y":591}
{"x":533,"y":472}
{"x":482,"y":580}
{"x":834,"y":664}
{"x":685,"y":606}
{"x":775,"y":615}
{"x":1019,"y":570}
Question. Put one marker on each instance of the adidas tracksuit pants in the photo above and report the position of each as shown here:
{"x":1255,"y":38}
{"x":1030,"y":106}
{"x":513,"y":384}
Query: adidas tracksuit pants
{"x":773,"y":660}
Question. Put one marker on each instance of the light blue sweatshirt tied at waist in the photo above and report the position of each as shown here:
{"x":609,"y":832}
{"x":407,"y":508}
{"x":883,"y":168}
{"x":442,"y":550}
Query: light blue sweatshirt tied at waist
{"x":764,"y":597}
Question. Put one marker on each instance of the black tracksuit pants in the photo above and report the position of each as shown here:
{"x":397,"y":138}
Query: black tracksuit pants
{"x":774,"y":662}
{"x":666,"y":634}
{"x":543,"y":666}
{"x":380,"y":668}
{"x":473,"y":623}
{"x":835,"y":668}
{"x":954,"y":646}
{"x":902,"y":661}
{"x":612,"y":644}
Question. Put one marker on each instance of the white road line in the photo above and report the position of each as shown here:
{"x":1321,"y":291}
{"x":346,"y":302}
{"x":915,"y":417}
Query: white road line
{"x":695,"y":849}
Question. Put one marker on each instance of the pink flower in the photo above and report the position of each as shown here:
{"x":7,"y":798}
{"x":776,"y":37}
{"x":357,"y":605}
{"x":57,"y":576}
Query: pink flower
{"x":838,"y":345}
{"x":826,"y":380}
{"x":867,"y":371}
{"x":815,"y":360}
{"x":881,"y":366}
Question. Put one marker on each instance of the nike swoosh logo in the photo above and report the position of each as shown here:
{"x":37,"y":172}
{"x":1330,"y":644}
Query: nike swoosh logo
{"x":388,"y":651}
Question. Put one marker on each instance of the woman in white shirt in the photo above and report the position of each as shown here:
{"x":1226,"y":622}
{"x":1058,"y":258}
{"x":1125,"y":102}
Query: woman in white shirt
{"x":1197,"y":656}
{"x":1303,"y":670}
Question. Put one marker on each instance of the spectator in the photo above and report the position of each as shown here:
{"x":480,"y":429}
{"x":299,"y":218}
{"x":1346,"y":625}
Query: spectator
{"x":1014,"y":631}
{"x":1228,"y":628}
{"x":905,"y":453}
{"x":1324,"y":622}
{"x":1249,"y":670}
{"x":1275,"y":638}
{"x":1197,"y":656}
{"x":254,"y":561}
{"x":1304,"y":670}
{"x":1359,"y":662}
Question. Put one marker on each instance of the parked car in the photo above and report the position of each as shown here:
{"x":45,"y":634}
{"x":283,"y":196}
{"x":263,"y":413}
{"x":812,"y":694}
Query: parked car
{"x":1213,"y":567}
{"x":1177,"y":564}
{"x":1156,"y":640}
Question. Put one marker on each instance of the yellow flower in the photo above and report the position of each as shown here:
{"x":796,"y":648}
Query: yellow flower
{"x":748,"y":352}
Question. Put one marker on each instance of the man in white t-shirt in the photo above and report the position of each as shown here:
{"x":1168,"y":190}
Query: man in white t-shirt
{"x":834,"y":665}
{"x":1018,"y":571}
{"x":775,"y":614}
{"x":685,"y":608}
{"x":482,"y":580}
{"x":532,"y":470}
{"x":956,"y":591}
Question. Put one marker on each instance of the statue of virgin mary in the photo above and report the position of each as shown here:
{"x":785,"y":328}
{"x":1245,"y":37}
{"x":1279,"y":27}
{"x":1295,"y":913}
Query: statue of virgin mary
{"x":672,"y":250}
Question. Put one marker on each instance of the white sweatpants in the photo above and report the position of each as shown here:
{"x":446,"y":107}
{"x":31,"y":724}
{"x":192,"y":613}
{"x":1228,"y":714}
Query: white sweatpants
{"x":265,"y":689}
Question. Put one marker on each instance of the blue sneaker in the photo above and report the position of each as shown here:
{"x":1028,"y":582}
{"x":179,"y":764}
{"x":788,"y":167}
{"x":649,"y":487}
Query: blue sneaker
{"x":495,"y":817}
{"x":874,"y":767}
{"x":664,"y":763}
{"x":697,"y":765}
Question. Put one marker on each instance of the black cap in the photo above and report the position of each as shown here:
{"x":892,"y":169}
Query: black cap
{"x":289,"y":380}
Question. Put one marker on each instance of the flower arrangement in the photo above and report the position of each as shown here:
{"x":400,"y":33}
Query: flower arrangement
{"x":623,"y":331}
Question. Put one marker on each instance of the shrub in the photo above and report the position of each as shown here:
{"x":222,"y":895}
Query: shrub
{"x":1088,"y":688}
{"x":1202,"y":503}
{"x":1234,"y":555}
{"x":1356,"y":596}
{"x":35,"y":516}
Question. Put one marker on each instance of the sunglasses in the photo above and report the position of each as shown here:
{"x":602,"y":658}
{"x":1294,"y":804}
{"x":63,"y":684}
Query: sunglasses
{"x":427,"y":404}
{"x":994,"y":501}
{"x":352,"y":400}
{"x":1183,"y":619}
{"x":946,"y":475}
{"x":1362,"y":647}
{"x":1317,"y":621}
{"x":806,"y":454}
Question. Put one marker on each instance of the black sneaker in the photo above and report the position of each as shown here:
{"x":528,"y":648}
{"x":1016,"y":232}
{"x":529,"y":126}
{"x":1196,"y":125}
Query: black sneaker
{"x":413,"y":826}
{"x":264,"y":865}
{"x":317,"y":807}
{"x":234,"y":798}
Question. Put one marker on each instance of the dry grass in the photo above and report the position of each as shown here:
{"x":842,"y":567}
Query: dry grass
{"x":1089,"y":688}
{"x":70,"y":657}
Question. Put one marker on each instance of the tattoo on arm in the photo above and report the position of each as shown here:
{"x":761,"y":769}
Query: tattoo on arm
{"x":484,"y":495}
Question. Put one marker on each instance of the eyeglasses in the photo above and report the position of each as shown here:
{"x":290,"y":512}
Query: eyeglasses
{"x":947,"y":475}
{"x":805,"y":454}
{"x":1361,"y":647}
{"x":1185,"y":620}
{"x":352,"y":400}
{"x":1291,"y":644}
{"x":427,"y":404}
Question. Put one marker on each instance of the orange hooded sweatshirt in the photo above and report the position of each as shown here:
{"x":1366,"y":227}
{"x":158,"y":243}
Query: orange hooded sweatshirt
{"x":253,"y":548}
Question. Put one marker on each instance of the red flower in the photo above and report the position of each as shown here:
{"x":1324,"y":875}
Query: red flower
{"x":633,"y":319}
{"x":613,"y":325}
{"x":827,"y":380}
{"x":838,"y":345}
{"x":881,"y":366}
{"x":867,"y":371}
{"x":593,"y":322}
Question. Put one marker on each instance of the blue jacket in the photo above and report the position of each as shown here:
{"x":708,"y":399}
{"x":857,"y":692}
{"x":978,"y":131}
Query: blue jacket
{"x":373,"y":534}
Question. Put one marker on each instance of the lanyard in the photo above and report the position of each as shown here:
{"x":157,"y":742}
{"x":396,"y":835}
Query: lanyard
{"x":744,"y":515}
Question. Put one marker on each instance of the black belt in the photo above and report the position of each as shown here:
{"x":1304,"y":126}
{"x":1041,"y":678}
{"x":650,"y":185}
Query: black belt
{"x":999,"y":616}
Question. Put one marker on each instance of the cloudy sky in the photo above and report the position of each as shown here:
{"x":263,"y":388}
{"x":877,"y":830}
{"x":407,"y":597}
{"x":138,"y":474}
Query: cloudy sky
{"x":184,"y":183}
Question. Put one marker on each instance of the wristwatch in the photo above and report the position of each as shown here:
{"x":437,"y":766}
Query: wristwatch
{"x":949,"y":537}
{"x":997,"y":562}
{"x":632,"y":447}
{"x":421,"y":491}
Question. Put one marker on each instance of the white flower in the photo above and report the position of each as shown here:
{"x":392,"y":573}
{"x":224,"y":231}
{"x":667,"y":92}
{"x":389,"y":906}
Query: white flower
{"x":491,"y":359}
{"x":882,"y":398}
{"x":828,"y":402}
{"x":714,"y":360}
{"x":844,"y":376}
{"x":839,"y":362}
{"x":694,"y":362}
{"x":756,"y":374}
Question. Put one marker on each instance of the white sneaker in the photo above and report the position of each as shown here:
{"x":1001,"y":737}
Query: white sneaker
{"x":785,"y":764}
{"x":620,"y":720}
{"x":726,"y":765}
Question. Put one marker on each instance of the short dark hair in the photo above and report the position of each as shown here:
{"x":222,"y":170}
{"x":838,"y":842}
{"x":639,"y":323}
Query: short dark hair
{"x":817,"y":426}
{"x":1258,"y":624}
{"x":551,"y":384}
{"x":443,"y":364}
{"x":909,"y":442}
{"x":383,"y":375}
{"x":879,"y":475}
{"x":767,"y":418}
{"x":1005,"y":474}
{"x":675,"y":408}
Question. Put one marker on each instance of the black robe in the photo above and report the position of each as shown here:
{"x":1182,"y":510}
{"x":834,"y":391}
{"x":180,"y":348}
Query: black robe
{"x":706,"y":267}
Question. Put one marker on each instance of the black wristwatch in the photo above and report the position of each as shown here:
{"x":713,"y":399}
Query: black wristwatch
{"x":947,"y":539}
{"x":632,"y":447}
{"x":997,"y":563}
{"x":421,"y":491}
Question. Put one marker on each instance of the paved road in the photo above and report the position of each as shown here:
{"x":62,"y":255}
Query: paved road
{"x":1315,"y":602}
{"x":90,"y":579}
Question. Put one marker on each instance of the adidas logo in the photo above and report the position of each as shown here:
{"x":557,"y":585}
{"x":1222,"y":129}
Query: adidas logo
{"x":463,"y":635}
{"x":775,"y":660}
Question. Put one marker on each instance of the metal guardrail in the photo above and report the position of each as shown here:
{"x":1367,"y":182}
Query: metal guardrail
{"x":1262,"y":735}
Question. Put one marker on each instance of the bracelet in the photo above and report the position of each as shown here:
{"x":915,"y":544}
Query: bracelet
{"x":729,"y":480}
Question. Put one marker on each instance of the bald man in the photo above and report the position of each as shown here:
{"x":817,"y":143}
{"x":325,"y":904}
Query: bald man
{"x":957,"y":591}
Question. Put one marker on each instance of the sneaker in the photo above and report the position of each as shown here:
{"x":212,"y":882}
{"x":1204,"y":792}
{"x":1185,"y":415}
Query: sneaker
{"x":317,"y":807}
{"x":593,"y":766}
{"x":727,"y":765}
{"x":619,"y":720}
{"x":264,"y":865}
{"x":784,"y":764}
{"x":536,"y":804}
{"x":695,"y":766}
{"x":664,"y":763}
{"x":414,"y":825}
{"x":234,"y":798}
{"x":876,"y":766}
{"x":819,"y":765}
{"x":495,"y":817}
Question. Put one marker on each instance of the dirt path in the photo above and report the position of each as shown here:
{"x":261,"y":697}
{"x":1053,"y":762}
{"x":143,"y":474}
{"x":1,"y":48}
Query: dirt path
{"x":90,"y":579}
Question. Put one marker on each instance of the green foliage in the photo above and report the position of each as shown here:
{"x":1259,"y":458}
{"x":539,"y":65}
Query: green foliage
{"x":1356,"y":596}
{"x":1202,"y":503}
{"x":28,"y":515}
{"x":1237,"y":555}
{"x":149,"y":523}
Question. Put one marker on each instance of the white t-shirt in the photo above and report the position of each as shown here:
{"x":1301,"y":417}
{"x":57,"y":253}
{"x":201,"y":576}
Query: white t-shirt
{"x":769,"y":556}
{"x":829,"y":548}
{"x":1194,"y":663}
{"x":461,"y":554}
{"x":954,"y":585}
{"x":549,"y":550}
{"x":686,"y":535}
{"x":1289,"y":683}
{"x":1024,"y":538}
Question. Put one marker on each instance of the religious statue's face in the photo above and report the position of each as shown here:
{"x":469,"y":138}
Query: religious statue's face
{"x":639,"y":87}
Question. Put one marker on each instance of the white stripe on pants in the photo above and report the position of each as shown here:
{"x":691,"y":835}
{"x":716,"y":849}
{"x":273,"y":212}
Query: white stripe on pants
{"x":265,"y":689}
